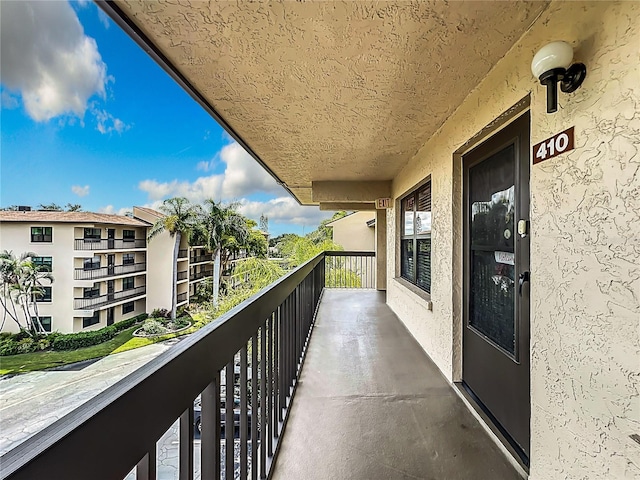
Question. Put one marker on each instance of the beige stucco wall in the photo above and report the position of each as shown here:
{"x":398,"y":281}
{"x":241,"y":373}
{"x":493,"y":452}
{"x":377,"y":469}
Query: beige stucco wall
{"x":353,"y":234}
{"x":585,"y":248}
{"x":159,"y":265}
{"x":16,"y":237}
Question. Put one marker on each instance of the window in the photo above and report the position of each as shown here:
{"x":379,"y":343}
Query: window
{"x":128,"y":259}
{"x":415,"y":239}
{"x":128,"y":235}
{"x":43,"y":264}
{"x":128,"y":283}
{"x":44,"y":321}
{"x":92,"y":292}
{"x":42,"y":234}
{"x":128,"y":307}
{"x":91,"y":263}
{"x":88,"y":321}
{"x":44,"y":296}
{"x":92,"y":233}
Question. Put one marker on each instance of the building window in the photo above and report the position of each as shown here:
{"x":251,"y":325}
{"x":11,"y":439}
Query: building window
{"x":128,"y":283}
{"x":88,"y":321}
{"x":415,"y":239}
{"x":92,"y":292}
{"x":91,"y":263}
{"x":44,"y":295}
{"x":42,"y":234}
{"x":92,"y":233}
{"x":128,"y":235}
{"x":43,"y":264}
{"x":128,"y":259}
{"x":128,"y":307}
{"x":44,"y":321}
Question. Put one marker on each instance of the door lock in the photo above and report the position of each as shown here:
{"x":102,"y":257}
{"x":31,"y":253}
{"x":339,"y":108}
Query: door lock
{"x":523,"y":228}
{"x":524,"y":277}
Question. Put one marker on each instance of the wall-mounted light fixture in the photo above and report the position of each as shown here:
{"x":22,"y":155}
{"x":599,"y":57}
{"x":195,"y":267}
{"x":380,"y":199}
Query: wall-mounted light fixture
{"x":552,"y":64}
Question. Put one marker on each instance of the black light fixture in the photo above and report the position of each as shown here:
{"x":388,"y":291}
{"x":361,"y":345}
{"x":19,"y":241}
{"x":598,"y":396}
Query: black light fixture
{"x":552,"y":64}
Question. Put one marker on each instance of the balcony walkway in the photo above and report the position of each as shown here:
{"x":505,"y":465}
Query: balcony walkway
{"x":371,"y":405}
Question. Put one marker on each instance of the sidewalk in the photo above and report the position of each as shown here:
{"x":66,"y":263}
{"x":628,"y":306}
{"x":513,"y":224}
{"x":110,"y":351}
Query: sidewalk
{"x":31,"y":401}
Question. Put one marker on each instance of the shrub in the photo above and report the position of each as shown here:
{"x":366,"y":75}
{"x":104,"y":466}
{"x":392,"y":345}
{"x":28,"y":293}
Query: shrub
{"x":161,"y":313}
{"x":153,"y":327}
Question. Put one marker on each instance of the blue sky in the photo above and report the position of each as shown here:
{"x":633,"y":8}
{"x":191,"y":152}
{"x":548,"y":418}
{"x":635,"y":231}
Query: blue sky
{"x":89,"y":118}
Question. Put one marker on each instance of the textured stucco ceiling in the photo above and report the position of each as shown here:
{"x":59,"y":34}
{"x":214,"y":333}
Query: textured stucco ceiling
{"x":334,"y":90}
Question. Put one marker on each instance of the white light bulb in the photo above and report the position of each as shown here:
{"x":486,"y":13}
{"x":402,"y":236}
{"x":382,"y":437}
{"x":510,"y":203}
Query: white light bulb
{"x":552,"y":55}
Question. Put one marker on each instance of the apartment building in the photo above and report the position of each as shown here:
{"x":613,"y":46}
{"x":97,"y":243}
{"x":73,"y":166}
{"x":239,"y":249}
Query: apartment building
{"x":104,"y":268}
{"x":194,"y":264}
{"x":98,"y":261}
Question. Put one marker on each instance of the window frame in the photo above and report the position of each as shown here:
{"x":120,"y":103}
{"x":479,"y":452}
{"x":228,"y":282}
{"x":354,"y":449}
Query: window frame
{"x":47,"y":326}
{"x":92,"y":236}
{"x":126,"y":257}
{"x":126,"y":237}
{"x":39,"y":262}
{"x":93,"y":320}
{"x":415,"y":236}
{"x":127,"y":279}
{"x":43,"y":236}
{"x":89,"y":264}
{"x":95,"y":289}
{"x":125,"y":307}
{"x":44,"y":298}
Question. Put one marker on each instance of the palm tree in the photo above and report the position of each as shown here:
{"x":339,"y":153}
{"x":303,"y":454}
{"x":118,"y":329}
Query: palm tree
{"x":220,"y":225}
{"x":179,"y":219}
{"x":21,"y":284}
{"x":29,"y":289}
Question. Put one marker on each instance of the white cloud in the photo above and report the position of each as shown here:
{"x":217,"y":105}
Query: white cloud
{"x":48,"y":59}
{"x":80,"y":191}
{"x":283,"y":210}
{"x":110,"y":209}
{"x":104,"y":18}
{"x":242,"y":177}
{"x":107,"y":123}
{"x":9,"y":101}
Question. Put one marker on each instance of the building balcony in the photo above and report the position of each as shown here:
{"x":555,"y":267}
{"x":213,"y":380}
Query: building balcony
{"x":200,"y":275}
{"x":182,"y":275}
{"x":109,"y":271}
{"x":385,"y":409}
{"x":109,"y":244}
{"x":201,"y":258}
{"x":109,"y":298}
{"x":183,"y":254}
{"x":182,"y":297}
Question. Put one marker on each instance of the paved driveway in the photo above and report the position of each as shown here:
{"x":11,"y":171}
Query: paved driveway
{"x":31,"y":401}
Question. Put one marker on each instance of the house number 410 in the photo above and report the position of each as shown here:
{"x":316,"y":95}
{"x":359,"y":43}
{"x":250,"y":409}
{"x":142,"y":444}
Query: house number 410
{"x":549,"y":148}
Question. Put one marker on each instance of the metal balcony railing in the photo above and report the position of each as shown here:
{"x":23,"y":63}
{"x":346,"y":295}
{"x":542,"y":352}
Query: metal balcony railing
{"x":99,"y":301}
{"x":109,"y":244}
{"x":201,"y":258}
{"x":183,"y":253}
{"x":183,"y":275}
{"x":182,"y":297}
{"x":108,"y":271}
{"x":263,"y":341}
{"x":350,"y":269}
{"x":202,"y":274}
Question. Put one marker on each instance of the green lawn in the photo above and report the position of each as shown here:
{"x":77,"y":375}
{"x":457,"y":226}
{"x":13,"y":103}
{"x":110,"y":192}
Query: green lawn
{"x":28,"y":362}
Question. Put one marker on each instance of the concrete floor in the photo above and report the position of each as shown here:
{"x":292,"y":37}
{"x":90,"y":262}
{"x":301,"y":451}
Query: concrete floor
{"x":372,"y":405}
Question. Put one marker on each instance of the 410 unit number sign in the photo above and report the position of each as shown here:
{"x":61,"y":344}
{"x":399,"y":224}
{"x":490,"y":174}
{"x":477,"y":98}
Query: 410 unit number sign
{"x":560,"y":143}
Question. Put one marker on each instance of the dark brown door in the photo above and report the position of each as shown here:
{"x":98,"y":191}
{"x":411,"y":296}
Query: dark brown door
{"x":110,"y":289}
{"x":496,"y":280}
{"x":111,"y":260}
{"x":111,"y":235}
{"x":110,"y":315}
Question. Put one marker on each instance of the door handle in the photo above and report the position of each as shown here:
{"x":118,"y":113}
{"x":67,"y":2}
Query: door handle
{"x":524,"y":277}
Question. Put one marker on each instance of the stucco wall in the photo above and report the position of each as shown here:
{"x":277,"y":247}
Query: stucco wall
{"x":353,"y":233}
{"x":585,"y":247}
